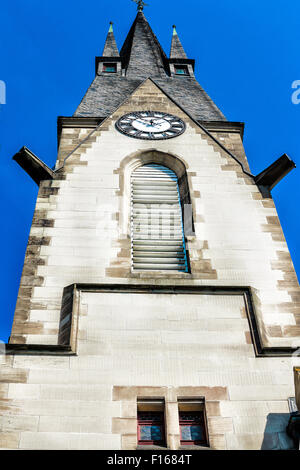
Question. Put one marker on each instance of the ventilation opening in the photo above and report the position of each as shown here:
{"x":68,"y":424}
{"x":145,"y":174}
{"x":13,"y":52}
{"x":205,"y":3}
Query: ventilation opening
{"x":157,"y":235}
{"x":181,"y":70}
{"x":109,"y":68}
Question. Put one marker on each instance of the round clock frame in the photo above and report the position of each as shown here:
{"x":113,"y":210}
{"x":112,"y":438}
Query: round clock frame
{"x":150,"y":125}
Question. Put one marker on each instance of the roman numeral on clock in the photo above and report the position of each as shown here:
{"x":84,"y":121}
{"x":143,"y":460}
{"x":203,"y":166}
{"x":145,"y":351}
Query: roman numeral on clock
{"x":138,"y":133}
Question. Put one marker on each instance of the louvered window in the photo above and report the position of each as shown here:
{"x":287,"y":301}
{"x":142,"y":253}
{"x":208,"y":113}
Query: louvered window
{"x":157,"y":235}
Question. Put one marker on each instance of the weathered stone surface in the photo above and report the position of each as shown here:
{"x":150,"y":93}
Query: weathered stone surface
{"x":9,"y":440}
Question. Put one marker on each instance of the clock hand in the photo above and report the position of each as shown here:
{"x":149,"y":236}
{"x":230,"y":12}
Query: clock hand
{"x":141,"y":121}
{"x":145,"y":123}
{"x":150,"y":123}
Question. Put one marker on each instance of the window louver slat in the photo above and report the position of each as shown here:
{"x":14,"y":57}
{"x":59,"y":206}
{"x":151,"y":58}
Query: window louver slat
{"x":156,"y":220}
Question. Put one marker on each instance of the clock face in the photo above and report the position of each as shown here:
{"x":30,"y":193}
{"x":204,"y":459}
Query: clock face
{"x":153,"y":125}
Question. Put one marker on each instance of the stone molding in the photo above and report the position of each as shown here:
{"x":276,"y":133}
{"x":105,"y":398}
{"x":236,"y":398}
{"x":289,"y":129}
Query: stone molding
{"x":71,"y":298}
{"x":126,"y":424}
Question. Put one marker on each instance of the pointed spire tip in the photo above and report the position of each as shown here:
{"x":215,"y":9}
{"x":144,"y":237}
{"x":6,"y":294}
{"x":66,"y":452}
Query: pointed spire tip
{"x":177,"y":51}
{"x":110,"y":46}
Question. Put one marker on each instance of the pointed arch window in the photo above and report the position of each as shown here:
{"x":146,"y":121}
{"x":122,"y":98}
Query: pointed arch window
{"x":157,"y":235}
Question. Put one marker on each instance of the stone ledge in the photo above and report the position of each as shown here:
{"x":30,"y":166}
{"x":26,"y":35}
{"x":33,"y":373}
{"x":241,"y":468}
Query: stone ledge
{"x":187,"y":448}
{"x":38,"y":350}
{"x":161,"y":448}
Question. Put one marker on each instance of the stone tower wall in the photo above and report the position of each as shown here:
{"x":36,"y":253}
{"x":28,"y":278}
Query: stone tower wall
{"x":162,"y":343}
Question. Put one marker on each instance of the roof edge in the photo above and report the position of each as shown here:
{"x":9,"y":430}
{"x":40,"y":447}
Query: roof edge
{"x":205,"y":130}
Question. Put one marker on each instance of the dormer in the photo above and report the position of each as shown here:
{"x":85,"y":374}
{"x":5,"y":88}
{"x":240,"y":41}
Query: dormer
{"x":110,"y":62}
{"x":180,"y":65}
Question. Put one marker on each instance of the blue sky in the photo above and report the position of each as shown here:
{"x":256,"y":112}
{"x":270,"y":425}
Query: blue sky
{"x":247,"y":57}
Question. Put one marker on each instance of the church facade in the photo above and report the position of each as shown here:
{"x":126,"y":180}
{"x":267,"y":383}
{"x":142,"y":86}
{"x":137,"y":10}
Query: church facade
{"x":158,"y":305}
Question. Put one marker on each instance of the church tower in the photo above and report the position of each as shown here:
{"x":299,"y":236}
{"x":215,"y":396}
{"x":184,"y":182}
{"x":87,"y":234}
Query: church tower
{"x":158,"y":305}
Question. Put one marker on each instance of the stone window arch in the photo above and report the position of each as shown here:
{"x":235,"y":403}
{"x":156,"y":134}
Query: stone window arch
{"x":174,"y":165}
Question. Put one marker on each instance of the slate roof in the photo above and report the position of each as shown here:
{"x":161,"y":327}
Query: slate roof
{"x":143,"y":57}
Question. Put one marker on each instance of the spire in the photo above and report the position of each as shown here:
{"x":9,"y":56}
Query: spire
{"x":141,"y":53}
{"x":177,"y":51}
{"x":110,"y":47}
{"x":141,"y":57}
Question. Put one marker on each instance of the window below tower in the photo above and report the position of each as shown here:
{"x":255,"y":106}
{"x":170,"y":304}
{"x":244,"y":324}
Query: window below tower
{"x":157,"y":235}
{"x":110,"y":68}
{"x":192,"y":423}
{"x":181,"y":70}
{"x":151,"y":422}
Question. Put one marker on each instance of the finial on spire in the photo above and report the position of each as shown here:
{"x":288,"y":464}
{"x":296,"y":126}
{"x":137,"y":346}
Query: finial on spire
{"x":140,"y":4}
{"x":174,"y":30}
{"x":111,"y":27}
